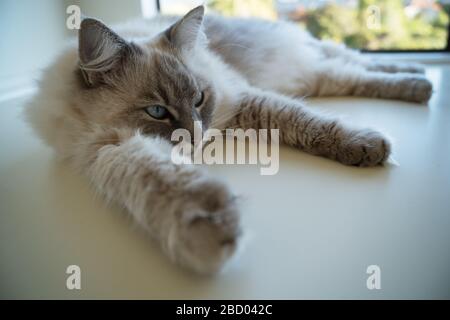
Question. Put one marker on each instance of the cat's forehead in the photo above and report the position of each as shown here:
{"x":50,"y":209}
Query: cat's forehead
{"x":169,"y":65}
{"x":171,"y":77}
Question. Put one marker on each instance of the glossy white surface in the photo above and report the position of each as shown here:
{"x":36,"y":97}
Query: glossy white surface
{"x":315,"y":226}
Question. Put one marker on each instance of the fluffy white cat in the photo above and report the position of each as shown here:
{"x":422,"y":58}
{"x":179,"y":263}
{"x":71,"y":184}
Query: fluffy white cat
{"x":109,"y":106}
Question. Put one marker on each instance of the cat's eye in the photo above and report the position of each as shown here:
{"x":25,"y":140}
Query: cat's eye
{"x":200,"y":101}
{"x":157,"y":112}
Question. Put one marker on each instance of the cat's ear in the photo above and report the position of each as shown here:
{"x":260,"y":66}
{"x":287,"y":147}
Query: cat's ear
{"x":186,"y":32}
{"x":99,"y":48}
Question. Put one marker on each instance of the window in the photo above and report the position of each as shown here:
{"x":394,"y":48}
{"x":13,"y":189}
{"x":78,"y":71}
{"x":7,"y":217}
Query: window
{"x":371,"y":25}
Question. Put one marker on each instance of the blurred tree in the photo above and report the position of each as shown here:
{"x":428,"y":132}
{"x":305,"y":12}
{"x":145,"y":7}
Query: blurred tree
{"x":426,"y":28}
{"x":401,"y":24}
{"x":246,"y":8}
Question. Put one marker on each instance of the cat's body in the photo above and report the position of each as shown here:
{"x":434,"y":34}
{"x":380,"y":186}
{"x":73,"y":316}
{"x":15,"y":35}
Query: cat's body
{"x":282,"y":57}
{"x":110,"y":108}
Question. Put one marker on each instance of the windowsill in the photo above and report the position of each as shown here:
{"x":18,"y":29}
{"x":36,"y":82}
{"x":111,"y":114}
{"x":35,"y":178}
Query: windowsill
{"x":422,"y":57}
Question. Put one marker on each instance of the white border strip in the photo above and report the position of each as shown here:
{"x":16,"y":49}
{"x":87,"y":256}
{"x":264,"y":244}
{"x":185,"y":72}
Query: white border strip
{"x":420,"y":57}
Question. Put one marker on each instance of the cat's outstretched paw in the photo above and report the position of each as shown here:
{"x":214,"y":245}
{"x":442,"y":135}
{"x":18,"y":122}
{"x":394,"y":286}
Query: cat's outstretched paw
{"x":208,"y":228}
{"x":416,"y":89}
{"x":422,"y":90}
{"x":365,"y":148}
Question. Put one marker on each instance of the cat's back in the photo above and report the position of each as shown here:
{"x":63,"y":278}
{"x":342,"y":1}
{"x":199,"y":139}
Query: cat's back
{"x":263,"y":51}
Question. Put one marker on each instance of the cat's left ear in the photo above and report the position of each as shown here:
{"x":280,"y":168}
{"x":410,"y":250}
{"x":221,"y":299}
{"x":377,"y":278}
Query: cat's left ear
{"x":186,"y":33}
{"x":100,"y":51}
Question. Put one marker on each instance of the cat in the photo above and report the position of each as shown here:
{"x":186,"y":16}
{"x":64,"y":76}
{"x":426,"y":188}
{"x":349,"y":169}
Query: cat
{"x":109,"y":107}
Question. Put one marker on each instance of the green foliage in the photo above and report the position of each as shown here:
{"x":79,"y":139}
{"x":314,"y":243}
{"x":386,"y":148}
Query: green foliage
{"x":225,"y":7}
{"x":262,"y":8}
{"x":394,"y":30}
{"x":355,"y":26}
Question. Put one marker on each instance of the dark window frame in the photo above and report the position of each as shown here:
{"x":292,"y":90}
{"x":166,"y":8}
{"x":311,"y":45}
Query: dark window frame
{"x":446,"y":49}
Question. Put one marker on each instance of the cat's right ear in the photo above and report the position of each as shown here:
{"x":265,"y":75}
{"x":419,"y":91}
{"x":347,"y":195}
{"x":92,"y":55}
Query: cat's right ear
{"x":99,"y":49}
{"x":188,"y":31}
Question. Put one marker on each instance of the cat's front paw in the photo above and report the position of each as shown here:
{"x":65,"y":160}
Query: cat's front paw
{"x":208,"y":227}
{"x":422,"y":91}
{"x":364,"y":148}
{"x":416,"y":89}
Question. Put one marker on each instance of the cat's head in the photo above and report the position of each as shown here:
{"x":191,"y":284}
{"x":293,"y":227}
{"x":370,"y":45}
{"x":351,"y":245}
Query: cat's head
{"x":149,"y":86}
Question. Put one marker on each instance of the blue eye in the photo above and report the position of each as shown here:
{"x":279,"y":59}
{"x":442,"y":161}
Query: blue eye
{"x":157,"y":112}
{"x":200,"y":101}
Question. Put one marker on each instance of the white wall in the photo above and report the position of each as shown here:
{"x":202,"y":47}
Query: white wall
{"x":33,"y":32}
{"x":109,"y":11}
